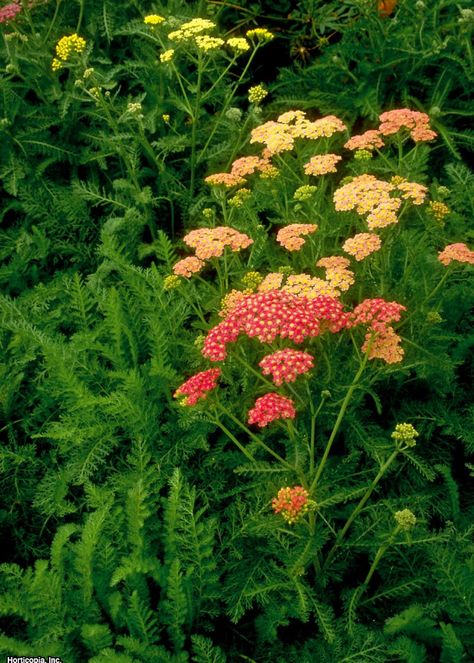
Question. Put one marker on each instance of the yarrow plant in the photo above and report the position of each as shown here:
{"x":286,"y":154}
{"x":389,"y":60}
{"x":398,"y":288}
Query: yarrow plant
{"x":308,"y":295}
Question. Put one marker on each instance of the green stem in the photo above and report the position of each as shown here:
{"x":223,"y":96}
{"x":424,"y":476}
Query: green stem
{"x":360,"y":506}
{"x":195,"y":119}
{"x":340,"y":416}
{"x":232,"y":437}
{"x":255,"y":438}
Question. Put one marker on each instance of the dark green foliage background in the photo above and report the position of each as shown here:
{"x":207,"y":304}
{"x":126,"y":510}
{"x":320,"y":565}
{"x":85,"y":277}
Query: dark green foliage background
{"x":133,"y":532}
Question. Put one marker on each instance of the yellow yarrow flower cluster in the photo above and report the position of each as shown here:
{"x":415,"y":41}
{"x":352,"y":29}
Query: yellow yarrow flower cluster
{"x":170,"y":282}
{"x":405,"y":519}
{"x":260,"y":34}
{"x":252,"y":280}
{"x":167,"y":56}
{"x":153,"y":19}
{"x":256,"y":94}
{"x":438,"y":210}
{"x":191,"y":28}
{"x":67,"y":46}
{"x":405,"y":433}
{"x":206,"y":43}
{"x":304,"y":192}
{"x":238,"y":44}
{"x":239,"y":198}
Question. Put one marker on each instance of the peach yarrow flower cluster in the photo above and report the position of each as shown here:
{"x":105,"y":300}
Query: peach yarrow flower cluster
{"x":337,"y":273}
{"x":290,"y":236}
{"x":286,"y":365}
{"x":362,"y":245}
{"x":211,"y":242}
{"x":291,"y":503}
{"x":418,"y":124}
{"x":322,"y":164}
{"x":270,"y":407}
{"x":459,"y":252}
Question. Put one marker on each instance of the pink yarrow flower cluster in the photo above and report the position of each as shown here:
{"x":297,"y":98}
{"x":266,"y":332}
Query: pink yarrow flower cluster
{"x":290,"y":236}
{"x":459,"y":252}
{"x":286,"y":365}
{"x":377,"y":314}
{"x":270,"y":407}
{"x":198,"y":386}
{"x":418,"y":124}
{"x":291,"y":503}
{"x":268,"y":315}
{"x":9,"y":12}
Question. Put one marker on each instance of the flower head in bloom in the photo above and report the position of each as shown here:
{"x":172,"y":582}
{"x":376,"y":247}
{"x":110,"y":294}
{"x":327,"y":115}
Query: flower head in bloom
{"x":384,"y":345}
{"x":322,"y":164}
{"x":286,"y":365}
{"x":198,"y":386}
{"x":247,"y":166}
{"x":271,"y":281}
{"x":230,"y":301}
{"x":308,"y":286}
{"x":270,"y":407}
{"x":211,"y":242}
{"x":238,"y":44}
{"x":362,"y":245}
{"x":411,"y":190}
{"x":376,"y":313}
{"x":9,"y":12}
{"x":405,"y":519}
{"x":290,"y":236}
{"x":188,"y":266}
{"x":259,"y":34}
{"x":367,"y":141}
{"x":257,"y":94}
{"x":337,"y":273}
{"x":438,"y":210}
{"x":459,"y":252}
{"x":384,"y":214}
{"x":405,"y":433}
{"x":272,"y":314}
{"x":274,"y":135}
{"x":206,"y":43}
{"x":153,"y":19}
{"x":191,"y":28}
{"x":69,"y":45}
{"x":225,"y":179}
{"x":291,"y":503}
{"x":418,"y":124}
{"x":167,"y":56}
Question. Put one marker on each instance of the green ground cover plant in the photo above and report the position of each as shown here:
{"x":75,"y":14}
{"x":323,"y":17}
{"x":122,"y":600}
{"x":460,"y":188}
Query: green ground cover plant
{"x":236,"y":366}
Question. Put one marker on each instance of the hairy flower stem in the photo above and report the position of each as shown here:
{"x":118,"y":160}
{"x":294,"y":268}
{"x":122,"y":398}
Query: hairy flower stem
{"x":340,"y":416}
{"x":255,"y":438}
{"x":360,"y":506}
